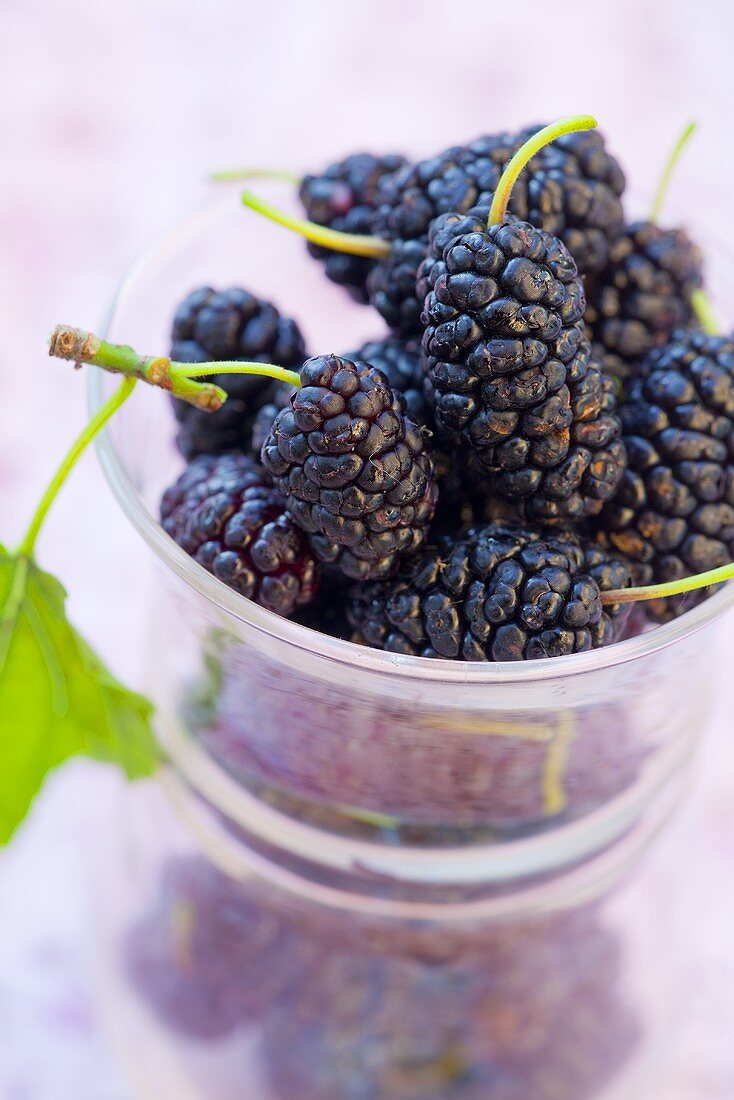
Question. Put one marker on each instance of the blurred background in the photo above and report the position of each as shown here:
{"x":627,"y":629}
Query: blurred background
{"x":110,"y":118}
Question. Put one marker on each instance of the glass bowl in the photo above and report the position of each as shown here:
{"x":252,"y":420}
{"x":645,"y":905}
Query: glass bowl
{"x":394,"y":819}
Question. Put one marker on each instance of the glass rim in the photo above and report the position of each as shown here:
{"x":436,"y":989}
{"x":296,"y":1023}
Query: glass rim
{"x":327,"y":646}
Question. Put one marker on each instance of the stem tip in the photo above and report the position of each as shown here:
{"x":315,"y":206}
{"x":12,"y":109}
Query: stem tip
{"x":66,"y":342}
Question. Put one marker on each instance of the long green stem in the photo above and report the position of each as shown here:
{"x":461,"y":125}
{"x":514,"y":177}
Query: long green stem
{"x":353,"y":243}
{"x":94,"y":426}
{"x":498,"y":209}
{"x":235,"y":366}
{"x":670,"y":164}
{"x":238,"y":175}
{"x":704,"y":311}
{"x":670,"y":588}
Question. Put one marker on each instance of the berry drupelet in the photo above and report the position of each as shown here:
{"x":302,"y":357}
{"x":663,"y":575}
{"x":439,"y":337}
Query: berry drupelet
{"x":673,"y":514}
{"x":353,"y":468}
{"x":344,"y":197}
{"x":643,"y":294}
{"x":508,"y":372}
{"x":225,"y":513}
{"x":503,"y":592}
{"x":226,"y":325}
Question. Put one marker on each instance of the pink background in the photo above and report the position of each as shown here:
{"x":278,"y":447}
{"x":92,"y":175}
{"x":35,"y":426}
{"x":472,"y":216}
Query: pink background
{"x":110,"y":117}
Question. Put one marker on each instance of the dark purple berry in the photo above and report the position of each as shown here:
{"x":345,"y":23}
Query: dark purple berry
{"x":352,"y":467}
{"x":674,"y":512}
{"x":642,"y":294}
{"x":343,"y":197}
{"x":221,"y":325}
{"x":570,"y":189}
{"x":508,"y":371}
{"x":225,"y":513}
{"x":500,"y":593}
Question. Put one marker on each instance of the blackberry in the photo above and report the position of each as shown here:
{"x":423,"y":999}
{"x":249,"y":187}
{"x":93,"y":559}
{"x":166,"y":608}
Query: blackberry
{"x":501,"y":593}
{"x":643,"y":294}
{"x":352,"y":467}
{"x":508,"y":372}
{"x":392,"y":290}
{"x":402,"y":364}
{"x":225,"y":513}
{"x":673,"y":514}
{"x":225,"y":325}
{"x":343,"y":197}
{"x":453,"y":180}
{"x":571,"y":189}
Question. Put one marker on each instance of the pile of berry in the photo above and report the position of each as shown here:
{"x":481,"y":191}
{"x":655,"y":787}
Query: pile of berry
{"x":543,"y":422}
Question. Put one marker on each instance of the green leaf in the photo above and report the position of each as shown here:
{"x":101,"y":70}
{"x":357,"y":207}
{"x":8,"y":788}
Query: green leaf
{"x":57,"y":699}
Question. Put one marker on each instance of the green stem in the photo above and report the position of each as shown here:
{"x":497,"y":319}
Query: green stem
{"x":670,"y":588}
{"x":94,"y":426}
{"x":235,"y":366}
{"x":670,"y":164}
{"x":704,"y":311}
{"x":353,"y":243}
{"x":498,"y":209}
{"x":237,"y":175}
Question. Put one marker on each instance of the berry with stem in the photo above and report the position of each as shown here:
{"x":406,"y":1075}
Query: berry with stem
{"x":343,"y":197}
{"x":673,"y":514}
{"x":352,"y":467}
{"x":500,"y":593}
{"x":533,"y":145}
{"x":572,"y":191}
{"x":508,"y":372}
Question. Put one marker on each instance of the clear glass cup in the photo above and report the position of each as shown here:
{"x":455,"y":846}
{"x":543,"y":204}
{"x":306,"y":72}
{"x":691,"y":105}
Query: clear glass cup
{"x":377,"y":876}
